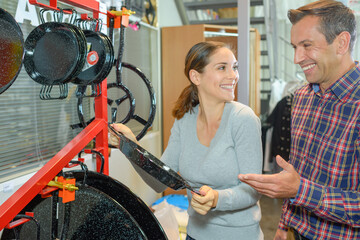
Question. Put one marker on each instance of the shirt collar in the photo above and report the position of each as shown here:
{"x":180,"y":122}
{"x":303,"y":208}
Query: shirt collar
{"x":342,"y":87}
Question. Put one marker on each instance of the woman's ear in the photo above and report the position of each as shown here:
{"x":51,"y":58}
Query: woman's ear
{"x":343,"y":41}
{"x":194,"y":77}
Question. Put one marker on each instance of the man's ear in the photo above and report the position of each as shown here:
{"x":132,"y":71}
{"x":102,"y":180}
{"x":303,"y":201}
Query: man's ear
{"x":343,"y":43}
{"x":194,"y":77}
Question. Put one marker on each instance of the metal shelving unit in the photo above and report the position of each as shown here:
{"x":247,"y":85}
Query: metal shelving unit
{"x":96,"y":129}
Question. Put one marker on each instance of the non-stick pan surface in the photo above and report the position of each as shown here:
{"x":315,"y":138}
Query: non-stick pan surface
{"x":123,"y":195}
{"x":92,"y":215}
{"x":150,"y":164}
{"x":55,"y":53}
{"x":11,"y":50}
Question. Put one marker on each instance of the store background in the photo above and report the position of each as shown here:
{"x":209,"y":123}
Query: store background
{"x":32,"y":130}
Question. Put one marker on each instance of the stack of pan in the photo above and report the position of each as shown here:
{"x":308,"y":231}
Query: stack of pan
{"x":54,"y":53}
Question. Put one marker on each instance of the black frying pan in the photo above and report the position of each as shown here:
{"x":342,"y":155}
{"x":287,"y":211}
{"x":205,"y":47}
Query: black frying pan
{"x":92,"y":215}
{"x":150,"y":164}
{"x":123,"y":195}
{"x":11,"y":50}
{"x":100,"y":59}
{"x":55,"y":53}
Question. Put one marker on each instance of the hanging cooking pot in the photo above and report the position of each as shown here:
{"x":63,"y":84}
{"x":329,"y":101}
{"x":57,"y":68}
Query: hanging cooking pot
{"x":11,"y":50}
{"x":92,"y":215}
{"x":100,"y":56}
{"x":151,"y":165}
{"x":55,"y":54}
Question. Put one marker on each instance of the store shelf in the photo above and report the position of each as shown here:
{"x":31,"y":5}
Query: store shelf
{"x":96,"y":129}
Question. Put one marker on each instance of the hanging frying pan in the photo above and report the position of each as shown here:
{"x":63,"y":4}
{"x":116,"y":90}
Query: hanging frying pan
{"x":123,"y":195}
{"x":55,"y":53}
{"x":11,"y":50}
{"x":150,"y":164}
{"x":100,"y":59}
{"x":92,"y":215}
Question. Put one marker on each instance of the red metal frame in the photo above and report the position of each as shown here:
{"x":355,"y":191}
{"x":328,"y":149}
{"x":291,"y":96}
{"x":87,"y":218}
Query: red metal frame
{"x":96,"y":129}
{"x":89,"y":5}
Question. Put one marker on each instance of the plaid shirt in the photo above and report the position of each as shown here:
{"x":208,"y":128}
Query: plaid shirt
{"x":325,"y":150}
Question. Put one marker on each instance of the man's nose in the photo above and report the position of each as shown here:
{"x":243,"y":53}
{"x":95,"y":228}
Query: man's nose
{"x":299,"y":55}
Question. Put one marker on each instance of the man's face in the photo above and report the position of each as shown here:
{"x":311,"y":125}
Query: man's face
{"x":315,"y":56}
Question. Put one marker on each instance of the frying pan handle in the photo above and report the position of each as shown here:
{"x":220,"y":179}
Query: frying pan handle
{"x":33,"y":219}
{"x":95,"y":90}
{"x":97,"y":153}
{"x":46,"y":89}
{"x":73,"y":16}
{"x":57,"y":14}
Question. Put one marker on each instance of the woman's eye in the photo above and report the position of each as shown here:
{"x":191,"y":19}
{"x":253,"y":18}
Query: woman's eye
{"x":222,"y":68}
{"x":235,"y":68}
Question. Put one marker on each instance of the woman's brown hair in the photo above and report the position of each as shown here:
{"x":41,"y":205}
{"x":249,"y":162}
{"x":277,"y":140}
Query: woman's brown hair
{"x":197,"y":58}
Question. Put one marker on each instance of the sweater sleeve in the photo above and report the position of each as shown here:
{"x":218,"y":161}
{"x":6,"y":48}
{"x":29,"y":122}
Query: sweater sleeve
{"x":246,"y":133}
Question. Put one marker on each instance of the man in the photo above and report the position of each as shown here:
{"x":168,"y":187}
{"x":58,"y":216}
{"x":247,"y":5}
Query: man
{"x":321,"y":182}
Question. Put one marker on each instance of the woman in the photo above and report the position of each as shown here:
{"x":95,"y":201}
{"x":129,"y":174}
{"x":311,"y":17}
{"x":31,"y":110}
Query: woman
{"x":212,"y":141}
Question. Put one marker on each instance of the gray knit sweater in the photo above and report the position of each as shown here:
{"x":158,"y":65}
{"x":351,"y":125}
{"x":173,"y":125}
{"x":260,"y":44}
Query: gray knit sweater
{"x":236,"y":148}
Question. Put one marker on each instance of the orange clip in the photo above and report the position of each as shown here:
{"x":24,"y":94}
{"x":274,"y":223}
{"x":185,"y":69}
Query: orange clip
{"x":66,"y":188}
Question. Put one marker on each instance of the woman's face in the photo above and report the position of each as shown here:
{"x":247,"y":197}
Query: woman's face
{"x":217,"y":81}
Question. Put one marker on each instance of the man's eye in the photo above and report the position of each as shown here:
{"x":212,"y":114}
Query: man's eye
{"x":222,"y":68}
{"x":235,"y":68}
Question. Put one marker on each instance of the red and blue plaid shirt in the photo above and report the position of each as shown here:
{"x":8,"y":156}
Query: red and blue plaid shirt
{"x":325,"y":150}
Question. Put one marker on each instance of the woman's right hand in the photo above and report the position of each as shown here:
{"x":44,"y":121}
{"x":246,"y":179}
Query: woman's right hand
{"x":121,"y":128}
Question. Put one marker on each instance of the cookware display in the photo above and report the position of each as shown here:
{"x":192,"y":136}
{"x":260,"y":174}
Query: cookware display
{"x":11,"y":50}
{"x":55,"y":54}
{"x":150,"y":164}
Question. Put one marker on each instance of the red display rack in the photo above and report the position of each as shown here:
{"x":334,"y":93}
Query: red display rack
{"x":96,"y":129}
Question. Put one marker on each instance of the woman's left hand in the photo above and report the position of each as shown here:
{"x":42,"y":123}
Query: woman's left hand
{"x":204,"y":202}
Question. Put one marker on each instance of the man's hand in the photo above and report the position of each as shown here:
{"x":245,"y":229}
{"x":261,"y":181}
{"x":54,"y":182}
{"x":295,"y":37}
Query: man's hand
{"x":280,"y":235}
{"x":281,"y":185}
{"x":204,"y":202}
